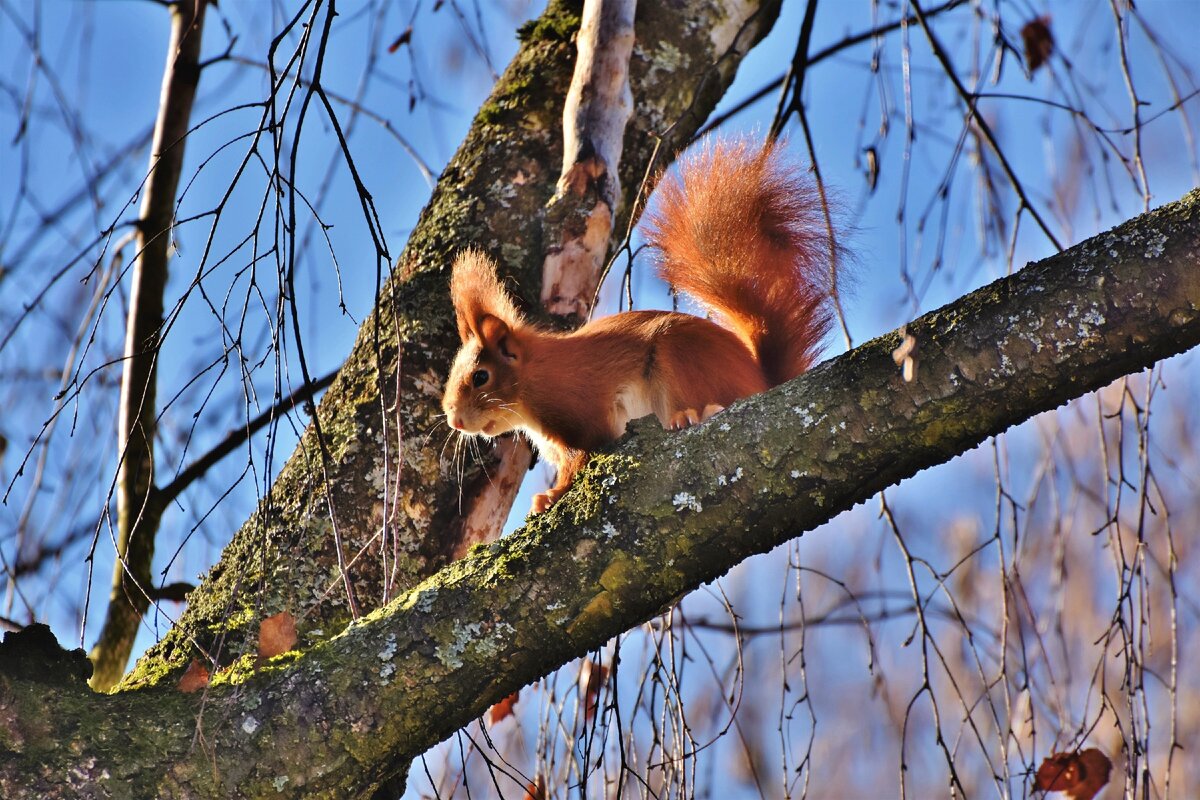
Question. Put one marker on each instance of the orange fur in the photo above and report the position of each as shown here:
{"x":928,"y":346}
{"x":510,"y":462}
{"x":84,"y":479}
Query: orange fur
{"x":737,"y":230}
{"x":741,"y":231}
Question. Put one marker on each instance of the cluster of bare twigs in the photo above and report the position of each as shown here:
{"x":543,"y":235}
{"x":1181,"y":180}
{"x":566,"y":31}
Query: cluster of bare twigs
{"x":923,"y":647}
{"x":935,"y":649}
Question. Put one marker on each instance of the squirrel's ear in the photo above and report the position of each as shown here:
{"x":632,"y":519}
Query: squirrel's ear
{"x":478,"y":294}
{"x":464,"y":326}
{"x":496,"y":335}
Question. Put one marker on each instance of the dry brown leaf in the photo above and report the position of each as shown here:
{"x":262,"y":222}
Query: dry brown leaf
{"x":194,"y":679}
{"x":591,"y":680}
{"x":1081,"y":775}
{"x":1039,"y":42}
{"x":276,"y":634}
{"x":404,"y":38}
{"x":536,"y":790}
{"x":504,"y":708}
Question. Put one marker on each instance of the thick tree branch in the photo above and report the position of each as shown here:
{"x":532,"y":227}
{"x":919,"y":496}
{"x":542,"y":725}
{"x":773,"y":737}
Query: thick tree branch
{"x":660,"y":515}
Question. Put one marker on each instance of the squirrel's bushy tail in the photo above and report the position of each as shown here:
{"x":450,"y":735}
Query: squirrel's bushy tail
{"x":741,"y":231}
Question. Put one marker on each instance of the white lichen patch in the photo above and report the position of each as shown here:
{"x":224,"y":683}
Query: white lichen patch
{"x":795,"y":474}
{"x":250,"y":725}
{"x":485,"y":639}
{"x":423,"y":600}
{"x":733,"y":477}
{"x":725,"y":32}
{"x":607,"y":483}
{"x":805,"y":415}
{"x":609,"y":531}
{"x":491,"y":646}
{"x":724,"y":426}
{"x":450,"y":653}
{"x":1089,"y":322}
{"x":668,"y":58}
{"x":279,"y":782}
{"x":389,"y":648}
{"x":1155,"y":244}
{"x":560,"y":618}
{"x":502,"y":191}
{"x":377,"y":478}
{"x":686,"y":500}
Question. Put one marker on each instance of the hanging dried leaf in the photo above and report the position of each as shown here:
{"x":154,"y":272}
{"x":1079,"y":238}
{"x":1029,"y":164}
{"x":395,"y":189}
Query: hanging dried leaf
{"x":1081,"y":775}
{"x":194,"y":679}
{"x":1039,"y":42}
{"x":276,"y":634}
{"x":591,"y":680}
{"x":536,"y":790}
{"x":401,"y":40}
{"x":504,"y":708}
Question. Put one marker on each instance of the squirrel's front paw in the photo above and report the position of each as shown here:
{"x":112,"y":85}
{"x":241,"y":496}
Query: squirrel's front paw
{"x":690,"y":416}
{"x":543,"y":501}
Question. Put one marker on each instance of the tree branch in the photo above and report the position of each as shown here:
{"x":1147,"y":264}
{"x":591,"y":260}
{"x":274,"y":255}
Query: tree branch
{"x":138,"y":509}
{"x":661,"y":514}
{"x":235,"y":438}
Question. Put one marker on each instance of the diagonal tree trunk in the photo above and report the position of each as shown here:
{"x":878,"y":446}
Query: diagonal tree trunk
{"x":659,"y":515}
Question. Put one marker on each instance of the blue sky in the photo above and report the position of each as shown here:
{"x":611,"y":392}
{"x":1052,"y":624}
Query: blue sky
{"x":109,"y":56}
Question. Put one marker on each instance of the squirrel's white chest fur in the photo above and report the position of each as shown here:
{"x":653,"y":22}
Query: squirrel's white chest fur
{"x":632,"y":401}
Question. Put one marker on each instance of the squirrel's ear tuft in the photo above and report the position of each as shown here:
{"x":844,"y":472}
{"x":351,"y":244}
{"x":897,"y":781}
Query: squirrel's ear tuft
{"x":477,"y":294}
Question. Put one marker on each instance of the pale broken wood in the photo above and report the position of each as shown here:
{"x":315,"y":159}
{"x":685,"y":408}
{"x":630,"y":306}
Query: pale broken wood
{"x":598,"y":106}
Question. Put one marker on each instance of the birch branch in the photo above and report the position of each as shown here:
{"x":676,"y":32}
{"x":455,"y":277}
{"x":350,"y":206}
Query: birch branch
{"x":138,"y":508}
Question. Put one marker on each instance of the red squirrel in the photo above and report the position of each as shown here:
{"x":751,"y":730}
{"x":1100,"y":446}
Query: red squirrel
{"x":739,"y":230}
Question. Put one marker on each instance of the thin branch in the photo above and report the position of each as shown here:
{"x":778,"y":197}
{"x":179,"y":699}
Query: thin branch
{"x":235,"y":438}
{"x":137,"y":513}
{"x":986,"y":130}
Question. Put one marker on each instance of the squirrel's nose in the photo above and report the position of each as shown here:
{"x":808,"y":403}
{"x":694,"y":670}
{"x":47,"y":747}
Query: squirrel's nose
{"x":454,"y":420}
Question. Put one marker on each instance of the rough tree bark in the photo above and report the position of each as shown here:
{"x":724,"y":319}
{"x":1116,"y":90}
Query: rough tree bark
{"x":660,"y":514}
{"x":657,"y":516}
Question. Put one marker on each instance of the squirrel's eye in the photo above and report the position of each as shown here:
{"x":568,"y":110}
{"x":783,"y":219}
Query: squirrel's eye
{"x":479,"y":377}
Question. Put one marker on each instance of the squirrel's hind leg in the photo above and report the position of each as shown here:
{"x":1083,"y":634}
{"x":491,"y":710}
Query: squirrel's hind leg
{"x":690,"y":416}
{"x":699,"y":369}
